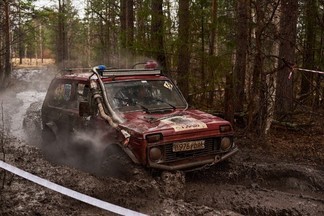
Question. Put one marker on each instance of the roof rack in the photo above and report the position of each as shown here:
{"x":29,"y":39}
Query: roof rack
{"x":129,"y":72}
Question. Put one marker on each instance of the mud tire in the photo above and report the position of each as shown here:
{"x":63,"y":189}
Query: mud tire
{"x":50,"y":144}
{"x":116,"y":163}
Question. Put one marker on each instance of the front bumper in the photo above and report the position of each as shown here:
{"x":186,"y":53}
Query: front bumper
{"x":195,"y":164}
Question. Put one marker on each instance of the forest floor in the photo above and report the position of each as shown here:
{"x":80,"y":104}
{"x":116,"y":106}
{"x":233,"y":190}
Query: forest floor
{"x":282,"y":175}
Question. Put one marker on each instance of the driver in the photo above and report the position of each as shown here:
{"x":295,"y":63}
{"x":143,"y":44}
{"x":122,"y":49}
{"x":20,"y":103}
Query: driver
{"x":122,"y":98}
{"x":142,"y":95}
{"x":132,"y":96}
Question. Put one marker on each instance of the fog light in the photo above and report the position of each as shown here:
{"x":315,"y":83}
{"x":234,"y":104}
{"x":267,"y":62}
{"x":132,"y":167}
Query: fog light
{"x":226,"y":143}
{"x":155,"y":154}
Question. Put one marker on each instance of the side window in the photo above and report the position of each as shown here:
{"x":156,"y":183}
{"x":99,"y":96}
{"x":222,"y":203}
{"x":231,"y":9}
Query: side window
{"x":61,"y":95}
{"x":83,"y":92}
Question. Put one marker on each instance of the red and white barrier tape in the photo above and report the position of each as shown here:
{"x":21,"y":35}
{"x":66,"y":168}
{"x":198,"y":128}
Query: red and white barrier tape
{"x":68,"y":192}
{"x":302,"y":69}
{"x":312,"y":71}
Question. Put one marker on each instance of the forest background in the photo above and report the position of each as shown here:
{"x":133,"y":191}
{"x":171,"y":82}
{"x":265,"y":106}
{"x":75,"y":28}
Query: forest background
{"x":243,"y":58}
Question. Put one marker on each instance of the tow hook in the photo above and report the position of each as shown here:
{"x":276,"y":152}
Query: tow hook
{"x":217,"y":159}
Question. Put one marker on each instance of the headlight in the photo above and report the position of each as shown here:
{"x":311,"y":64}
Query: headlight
{"x":155,"y":154}
{"x":225,"y":128}
{"x":152,"y":138}
{"x":226,"y":143}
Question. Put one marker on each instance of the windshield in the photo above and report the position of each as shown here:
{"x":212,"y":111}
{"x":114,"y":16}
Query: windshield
{"x":147,"y":95}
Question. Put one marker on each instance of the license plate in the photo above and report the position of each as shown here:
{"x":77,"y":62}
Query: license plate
{"x":188,"y":146}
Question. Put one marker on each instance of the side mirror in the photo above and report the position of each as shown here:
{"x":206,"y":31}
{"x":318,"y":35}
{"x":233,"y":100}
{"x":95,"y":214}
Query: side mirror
{"x":84,"y":109}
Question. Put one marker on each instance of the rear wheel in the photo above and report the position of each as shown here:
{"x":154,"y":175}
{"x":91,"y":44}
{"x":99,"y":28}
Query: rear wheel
{"x":52,"y":147}
{"x":48,"y":142}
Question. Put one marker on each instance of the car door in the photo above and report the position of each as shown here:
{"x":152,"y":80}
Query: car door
{"x":60,"y":109}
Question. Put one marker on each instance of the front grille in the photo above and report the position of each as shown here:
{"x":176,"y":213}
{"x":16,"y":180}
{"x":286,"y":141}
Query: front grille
{"x":211,"y":147}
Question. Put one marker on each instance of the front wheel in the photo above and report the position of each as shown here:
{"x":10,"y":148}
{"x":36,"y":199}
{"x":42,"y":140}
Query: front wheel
{"x":116,"y":163}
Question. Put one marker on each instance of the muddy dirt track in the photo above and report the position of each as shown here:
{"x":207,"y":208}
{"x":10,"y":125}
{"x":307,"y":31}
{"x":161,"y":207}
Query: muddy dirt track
{"x":284,"y":176}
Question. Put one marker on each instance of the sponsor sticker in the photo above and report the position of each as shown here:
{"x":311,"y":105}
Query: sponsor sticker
{"x":183,"y":123}
{"x":168,"y":85}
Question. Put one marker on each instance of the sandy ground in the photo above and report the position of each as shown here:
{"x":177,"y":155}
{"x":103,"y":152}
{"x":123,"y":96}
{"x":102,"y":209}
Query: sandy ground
{"x":283,"y":176}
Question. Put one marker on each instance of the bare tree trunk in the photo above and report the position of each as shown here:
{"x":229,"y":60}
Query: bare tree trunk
{"x":123,"y":22}
{"x":106,"y":35}
{"x":62,"y":34}
{"x":203,"y":83}
{"x":130,"y":24}
{"x":41,"y":43}
{"x":7,"y":45}
{"x":228,"y":101}
{"x":253,"y":106}
{"x":241,"y":52}
{"x":2,"y":74}
{"x":157,"y":34}
{"x":288,"y":30}
{"x":20,"y":36}
{"x":213,"y":25}
{"x":88,"y":30}
{"x":127,"y":27}
{"x":127,"y":23}
{"x":211,"y":70}
{"x":309,"y":51}
{"x":319,"y":93}
{"x":184,"y":50}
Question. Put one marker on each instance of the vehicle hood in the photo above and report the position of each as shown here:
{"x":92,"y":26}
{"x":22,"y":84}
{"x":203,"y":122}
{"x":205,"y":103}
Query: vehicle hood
{"x":177,"y":121}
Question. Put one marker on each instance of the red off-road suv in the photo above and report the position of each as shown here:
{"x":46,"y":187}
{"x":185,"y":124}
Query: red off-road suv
{"x":141,"y":111}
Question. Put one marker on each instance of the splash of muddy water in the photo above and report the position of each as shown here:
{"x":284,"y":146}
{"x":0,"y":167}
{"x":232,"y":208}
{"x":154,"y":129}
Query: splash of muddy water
{"x":22,"y":101}
{"x":26,"y":99}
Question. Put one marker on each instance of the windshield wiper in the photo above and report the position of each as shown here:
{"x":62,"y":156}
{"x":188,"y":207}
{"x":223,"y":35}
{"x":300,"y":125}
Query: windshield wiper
{"x":131,"y":102}
{"x":151,"y":109}
{"x":163,"y":101}
{"x":143,"y":107}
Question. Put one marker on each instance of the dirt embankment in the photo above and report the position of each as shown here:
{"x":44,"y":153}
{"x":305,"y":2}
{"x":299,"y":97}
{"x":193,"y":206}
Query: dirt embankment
{"x":284,"y":176}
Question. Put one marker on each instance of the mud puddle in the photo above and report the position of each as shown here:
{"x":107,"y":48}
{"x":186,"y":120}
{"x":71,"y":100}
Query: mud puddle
{"x":259,"y":189}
